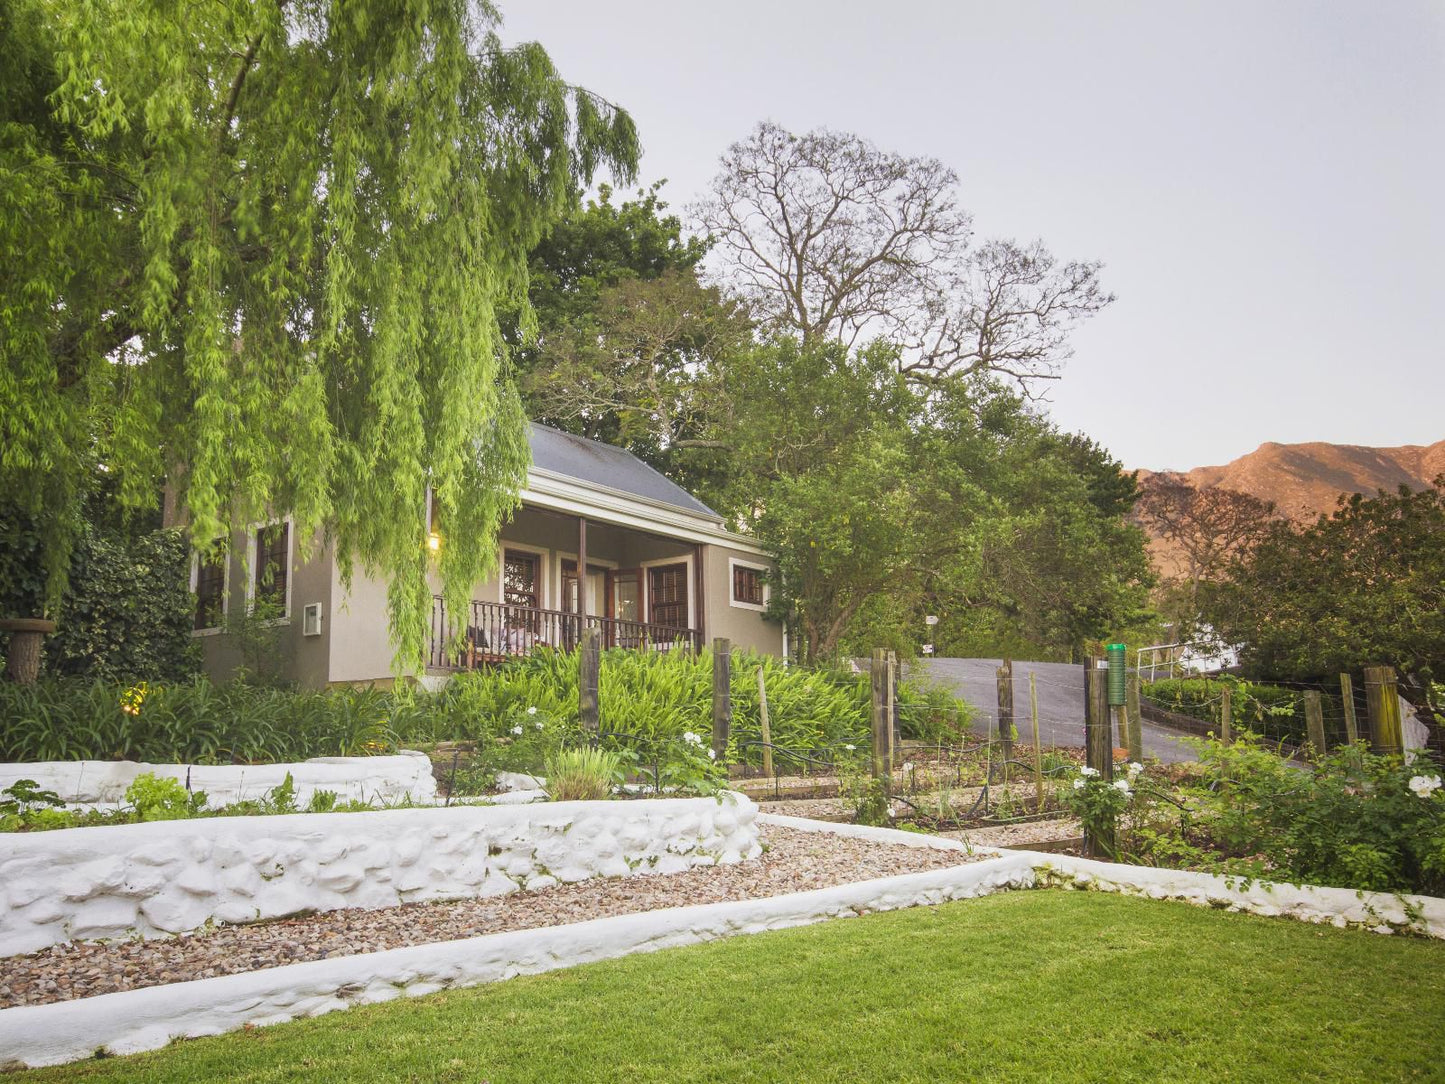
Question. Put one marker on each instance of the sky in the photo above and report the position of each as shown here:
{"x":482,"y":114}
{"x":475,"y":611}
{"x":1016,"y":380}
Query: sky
{"x":1264,"y":182}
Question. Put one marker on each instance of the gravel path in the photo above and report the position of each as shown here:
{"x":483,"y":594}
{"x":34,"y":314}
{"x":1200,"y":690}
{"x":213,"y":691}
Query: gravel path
{"x":795,"y":861}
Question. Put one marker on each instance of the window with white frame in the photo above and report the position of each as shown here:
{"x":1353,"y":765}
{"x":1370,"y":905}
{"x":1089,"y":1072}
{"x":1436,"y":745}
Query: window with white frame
{"x":749,"y":589}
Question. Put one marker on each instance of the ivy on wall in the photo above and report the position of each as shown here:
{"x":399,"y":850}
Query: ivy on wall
{"x":126,"y":612}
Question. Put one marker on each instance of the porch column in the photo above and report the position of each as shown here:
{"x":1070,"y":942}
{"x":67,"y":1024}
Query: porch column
{"x":582,"y":569}
{"x":700,"y":605}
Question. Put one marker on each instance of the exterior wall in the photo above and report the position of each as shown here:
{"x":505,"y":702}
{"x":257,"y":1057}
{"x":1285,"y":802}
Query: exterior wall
{"x":743,"y":625}
{"x":302,"y":658}
{"x":355,"y":644}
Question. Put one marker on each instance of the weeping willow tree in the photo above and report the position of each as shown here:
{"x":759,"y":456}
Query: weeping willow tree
{"x":258,"y":248}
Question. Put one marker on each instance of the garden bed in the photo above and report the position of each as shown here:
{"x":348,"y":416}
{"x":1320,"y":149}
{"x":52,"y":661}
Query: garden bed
{"x":793,"y":861}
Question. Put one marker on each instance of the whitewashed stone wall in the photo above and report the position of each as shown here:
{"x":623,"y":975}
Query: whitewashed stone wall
{"x":168,"y":877}
{"x":102,"y":783}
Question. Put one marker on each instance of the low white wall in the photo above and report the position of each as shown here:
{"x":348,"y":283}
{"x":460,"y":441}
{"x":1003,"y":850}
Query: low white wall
{"x":102,"y":783}
{"x":1379,"y":912}
{"x":136,"y":1020}
{"x":168,"y":877}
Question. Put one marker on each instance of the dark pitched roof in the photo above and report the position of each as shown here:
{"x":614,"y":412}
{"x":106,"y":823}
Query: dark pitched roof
{"x":606,"y":465}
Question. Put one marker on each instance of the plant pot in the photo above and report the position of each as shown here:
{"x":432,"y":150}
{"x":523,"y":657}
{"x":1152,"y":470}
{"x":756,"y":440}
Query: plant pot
{"x":22,"y":661}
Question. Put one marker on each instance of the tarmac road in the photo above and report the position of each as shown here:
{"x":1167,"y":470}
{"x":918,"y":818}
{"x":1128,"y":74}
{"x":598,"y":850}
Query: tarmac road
{"x":1061,"y":701}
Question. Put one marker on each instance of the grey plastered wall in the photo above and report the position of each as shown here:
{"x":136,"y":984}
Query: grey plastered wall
{"x":745,"y":627}
{"x":304,"y":659}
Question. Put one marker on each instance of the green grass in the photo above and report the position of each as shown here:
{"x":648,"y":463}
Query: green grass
{"x":1046,"y":985}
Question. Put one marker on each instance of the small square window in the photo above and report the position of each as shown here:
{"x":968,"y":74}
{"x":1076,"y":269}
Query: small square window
{"x":747,"y":585}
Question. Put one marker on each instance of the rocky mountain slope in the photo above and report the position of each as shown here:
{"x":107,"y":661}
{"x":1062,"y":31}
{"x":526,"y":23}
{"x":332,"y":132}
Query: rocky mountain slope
{"x":1304,"y":480}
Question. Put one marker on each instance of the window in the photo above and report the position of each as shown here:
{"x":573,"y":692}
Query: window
{"x":747,"y":585}
{"x":271,"y":569}
{"x":667,"y":596}
{"x":210,"y":587}
{"x":519,"y":579}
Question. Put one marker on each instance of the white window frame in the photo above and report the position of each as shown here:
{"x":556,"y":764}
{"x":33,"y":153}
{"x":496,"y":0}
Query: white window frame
{"x":692,"y":600}
{"x":544,"y":572}
{"x":734,"y":562}
{"x":250,"y":567}
{"x":213,"y":630}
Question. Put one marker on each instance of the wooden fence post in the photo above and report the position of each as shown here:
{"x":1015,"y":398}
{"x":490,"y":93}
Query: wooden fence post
{"x":1347,"y":696}
{"x":1315,"y":721}
{"x":590,"y":662}
{"x":722,"y":701}
{"x":882,"y":730}
{"x":1005,"y":681}
{"x":1099,"y":752}
{"x":1038,"y":746}
{"x":890,"y":707}
{"x":1226,"y":715}
{"x":1133,"y":721}
{"x":767,"y":730}
{"x":1382,"y":708}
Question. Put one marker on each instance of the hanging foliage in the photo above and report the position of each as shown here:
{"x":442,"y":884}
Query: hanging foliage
{"x":258,"y":249}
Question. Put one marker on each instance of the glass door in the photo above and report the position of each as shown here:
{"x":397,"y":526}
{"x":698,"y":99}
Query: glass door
{"x":624,"y":606}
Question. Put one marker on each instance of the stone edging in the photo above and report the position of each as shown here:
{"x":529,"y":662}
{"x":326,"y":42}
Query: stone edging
{"x":145,"y":1019}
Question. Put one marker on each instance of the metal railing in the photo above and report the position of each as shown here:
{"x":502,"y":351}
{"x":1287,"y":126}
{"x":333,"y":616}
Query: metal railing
{"x":496,"y":631}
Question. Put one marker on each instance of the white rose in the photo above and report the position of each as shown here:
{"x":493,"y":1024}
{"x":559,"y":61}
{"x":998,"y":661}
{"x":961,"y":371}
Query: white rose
{"x":517,"y":729}
{"x":1088,"y":773}
{"x":850,"y":748}
{"x":1425,"y":785}
{"x":711,"y":754}
{"x":531,"y":711}
{"x":1121,"y":785}
{"x":1078,"y":784}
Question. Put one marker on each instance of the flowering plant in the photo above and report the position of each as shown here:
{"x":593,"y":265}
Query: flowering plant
{"x":1098,"y":802}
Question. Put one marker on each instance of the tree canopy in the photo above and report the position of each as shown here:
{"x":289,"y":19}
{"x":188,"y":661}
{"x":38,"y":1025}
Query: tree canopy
{"x":1363,"y":586}
{"x":830,"y":237}
{"x":260,"y":249}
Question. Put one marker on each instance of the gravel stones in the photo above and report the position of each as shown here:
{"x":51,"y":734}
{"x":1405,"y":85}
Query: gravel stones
{"x":793,"y":861}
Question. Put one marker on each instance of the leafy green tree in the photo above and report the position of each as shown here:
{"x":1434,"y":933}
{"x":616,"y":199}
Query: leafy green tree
{"x":883,"y":502}
{"x":630,"y":343}
{"x":1362,"y":586}
{"x":259,"y":249}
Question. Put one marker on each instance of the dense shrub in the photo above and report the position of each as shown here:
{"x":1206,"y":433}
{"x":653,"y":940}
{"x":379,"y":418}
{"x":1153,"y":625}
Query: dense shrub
{"x":126,"y":612}
{"x":1354,"y":820}
{"x":658,"y":697}
{"x":189,"y":722}
{"x":1272,"y":711}
{"x":521,"y":713}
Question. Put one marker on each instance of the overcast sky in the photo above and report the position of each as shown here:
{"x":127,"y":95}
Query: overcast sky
{"x":1264,"y":181}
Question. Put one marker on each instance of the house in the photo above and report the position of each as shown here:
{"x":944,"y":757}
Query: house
{"x":662,"y":571}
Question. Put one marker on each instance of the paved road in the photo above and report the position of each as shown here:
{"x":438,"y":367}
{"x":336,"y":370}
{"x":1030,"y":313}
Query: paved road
{"x":1061,"y":701}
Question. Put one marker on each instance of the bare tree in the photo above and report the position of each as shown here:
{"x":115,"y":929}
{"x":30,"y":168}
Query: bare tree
{"x":1206,"y":528}
{"x":829,"y":237}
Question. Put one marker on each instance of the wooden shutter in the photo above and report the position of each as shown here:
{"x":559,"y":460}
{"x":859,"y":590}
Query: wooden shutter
{"x":667,"y":596}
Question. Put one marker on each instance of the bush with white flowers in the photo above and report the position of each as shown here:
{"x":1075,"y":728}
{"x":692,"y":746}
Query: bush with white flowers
{"x":1097,"y":802}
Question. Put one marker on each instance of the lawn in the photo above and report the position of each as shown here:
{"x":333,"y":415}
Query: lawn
{"x":1044,"y":985}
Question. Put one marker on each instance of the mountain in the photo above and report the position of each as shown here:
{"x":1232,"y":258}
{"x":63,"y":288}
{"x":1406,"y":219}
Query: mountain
{"x":1304,"y":480}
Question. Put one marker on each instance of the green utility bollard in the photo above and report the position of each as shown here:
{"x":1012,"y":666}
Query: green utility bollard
{"x":1118,"y":656}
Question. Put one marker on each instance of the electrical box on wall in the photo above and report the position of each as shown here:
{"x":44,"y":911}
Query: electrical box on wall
{"x":311,"y":619}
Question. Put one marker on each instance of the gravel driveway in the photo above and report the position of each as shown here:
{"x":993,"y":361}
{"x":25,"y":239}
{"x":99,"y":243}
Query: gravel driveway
{"x":1061,"y":701}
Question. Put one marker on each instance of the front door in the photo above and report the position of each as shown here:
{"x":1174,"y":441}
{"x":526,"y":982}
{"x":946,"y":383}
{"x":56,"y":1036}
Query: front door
{"x":624,"y":605}
{"x":596,"y":588}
